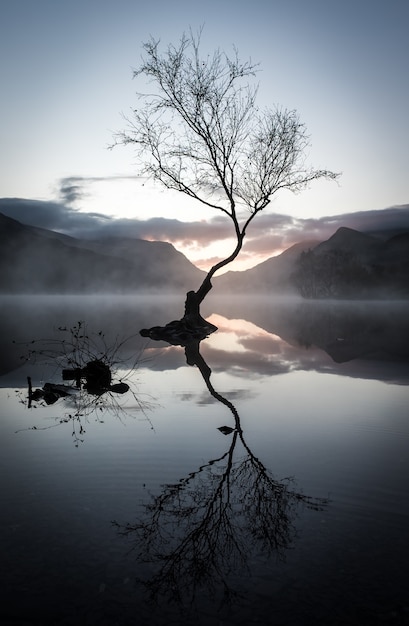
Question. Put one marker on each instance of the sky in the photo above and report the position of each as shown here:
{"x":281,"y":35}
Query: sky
{"x":66,"y":76}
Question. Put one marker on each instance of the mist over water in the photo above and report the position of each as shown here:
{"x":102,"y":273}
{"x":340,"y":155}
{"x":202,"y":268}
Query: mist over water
{"x":336,"y":335}
{"x":316,"y":391}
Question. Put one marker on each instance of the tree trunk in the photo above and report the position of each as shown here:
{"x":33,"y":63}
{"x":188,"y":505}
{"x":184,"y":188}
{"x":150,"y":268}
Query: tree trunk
{"x":192,"y":307}
{"x":195,"y":298}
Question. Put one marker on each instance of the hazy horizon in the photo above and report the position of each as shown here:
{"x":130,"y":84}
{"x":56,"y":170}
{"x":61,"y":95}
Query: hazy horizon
{"x":269,"y":235}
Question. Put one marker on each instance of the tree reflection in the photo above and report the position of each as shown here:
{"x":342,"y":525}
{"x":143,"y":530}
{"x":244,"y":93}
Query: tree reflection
{"x":203,"y":531}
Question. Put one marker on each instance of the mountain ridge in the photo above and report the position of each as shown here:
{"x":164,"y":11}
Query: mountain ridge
{"x":34,"y":260}
{"x":347,"y":264}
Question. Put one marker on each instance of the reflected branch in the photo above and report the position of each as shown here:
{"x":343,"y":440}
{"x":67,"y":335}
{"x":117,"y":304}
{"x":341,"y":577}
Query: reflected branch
{"x":202,"y":531}
{"x":193,"y":357}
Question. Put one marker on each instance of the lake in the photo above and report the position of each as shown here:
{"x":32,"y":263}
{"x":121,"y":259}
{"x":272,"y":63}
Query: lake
{"x":265,"y":483}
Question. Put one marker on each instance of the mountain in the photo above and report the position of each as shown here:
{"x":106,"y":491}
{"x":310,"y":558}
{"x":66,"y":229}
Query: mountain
{"x":34,"y":260}
{"x":396,"y":247}
{"x":350,"y":242}
{"x":161,"y":263}
{"x":351,"y":264}
{"x":271,"y":275}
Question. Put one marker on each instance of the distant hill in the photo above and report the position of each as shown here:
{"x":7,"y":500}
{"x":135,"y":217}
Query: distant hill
{"x":350,"y":264}
{"x":35,"y":260}
{"x":351,"y":242}
{"x":269,"y":276}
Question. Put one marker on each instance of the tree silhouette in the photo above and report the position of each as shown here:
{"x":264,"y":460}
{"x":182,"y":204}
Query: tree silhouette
{"x":199,"y":131}
{"x":202,"y":529}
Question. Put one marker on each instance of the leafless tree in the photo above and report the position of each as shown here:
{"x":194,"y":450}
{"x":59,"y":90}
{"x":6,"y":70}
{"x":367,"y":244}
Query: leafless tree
{"x":201,"y":132}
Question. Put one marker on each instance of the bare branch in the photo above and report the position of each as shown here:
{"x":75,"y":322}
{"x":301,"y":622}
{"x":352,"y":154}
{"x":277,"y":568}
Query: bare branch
{"x":200,"y":132}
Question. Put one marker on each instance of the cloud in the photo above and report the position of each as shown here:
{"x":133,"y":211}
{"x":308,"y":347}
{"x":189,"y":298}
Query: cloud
{"x":390,"y":219}
{"x":73,"y":188}
{"x":191,"y":234}
{"x":70,"y":191}
{"x":269,"y":234}
{"x":279,"y":232}
{"x":64,"y":218}
{"x":51,"y":215}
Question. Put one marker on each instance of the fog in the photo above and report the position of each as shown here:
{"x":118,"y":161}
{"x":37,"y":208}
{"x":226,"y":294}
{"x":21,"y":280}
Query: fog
{"x":350,"y":264}
{"x":257,"y":336}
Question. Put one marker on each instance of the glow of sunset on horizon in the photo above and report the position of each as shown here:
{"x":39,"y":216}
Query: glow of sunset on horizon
{"x":237,"y":335}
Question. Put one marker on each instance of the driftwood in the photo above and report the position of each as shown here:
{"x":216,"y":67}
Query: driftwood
{"x":50,"y":393}
{"x":97,"y":376}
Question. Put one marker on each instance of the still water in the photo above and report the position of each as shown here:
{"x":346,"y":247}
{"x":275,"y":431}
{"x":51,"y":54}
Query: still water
{"x":266,"y":484}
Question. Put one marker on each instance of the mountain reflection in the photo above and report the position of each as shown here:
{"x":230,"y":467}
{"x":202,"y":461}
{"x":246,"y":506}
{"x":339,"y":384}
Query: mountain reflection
{"x":348,"y":339}
{"x":202,"y":532}
{"x":325,"y":336}
{"x":359,"y":339}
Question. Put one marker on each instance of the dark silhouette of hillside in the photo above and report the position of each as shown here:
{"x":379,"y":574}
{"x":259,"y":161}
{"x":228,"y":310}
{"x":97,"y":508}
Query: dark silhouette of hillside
{"x":350,"y":264}
{"x":270,"y":276}
{"x":350,"y":241}
{"x":34,"y":260}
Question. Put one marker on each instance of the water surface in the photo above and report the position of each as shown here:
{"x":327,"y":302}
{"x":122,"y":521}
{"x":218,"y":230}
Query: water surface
{"x":137,"y":507}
